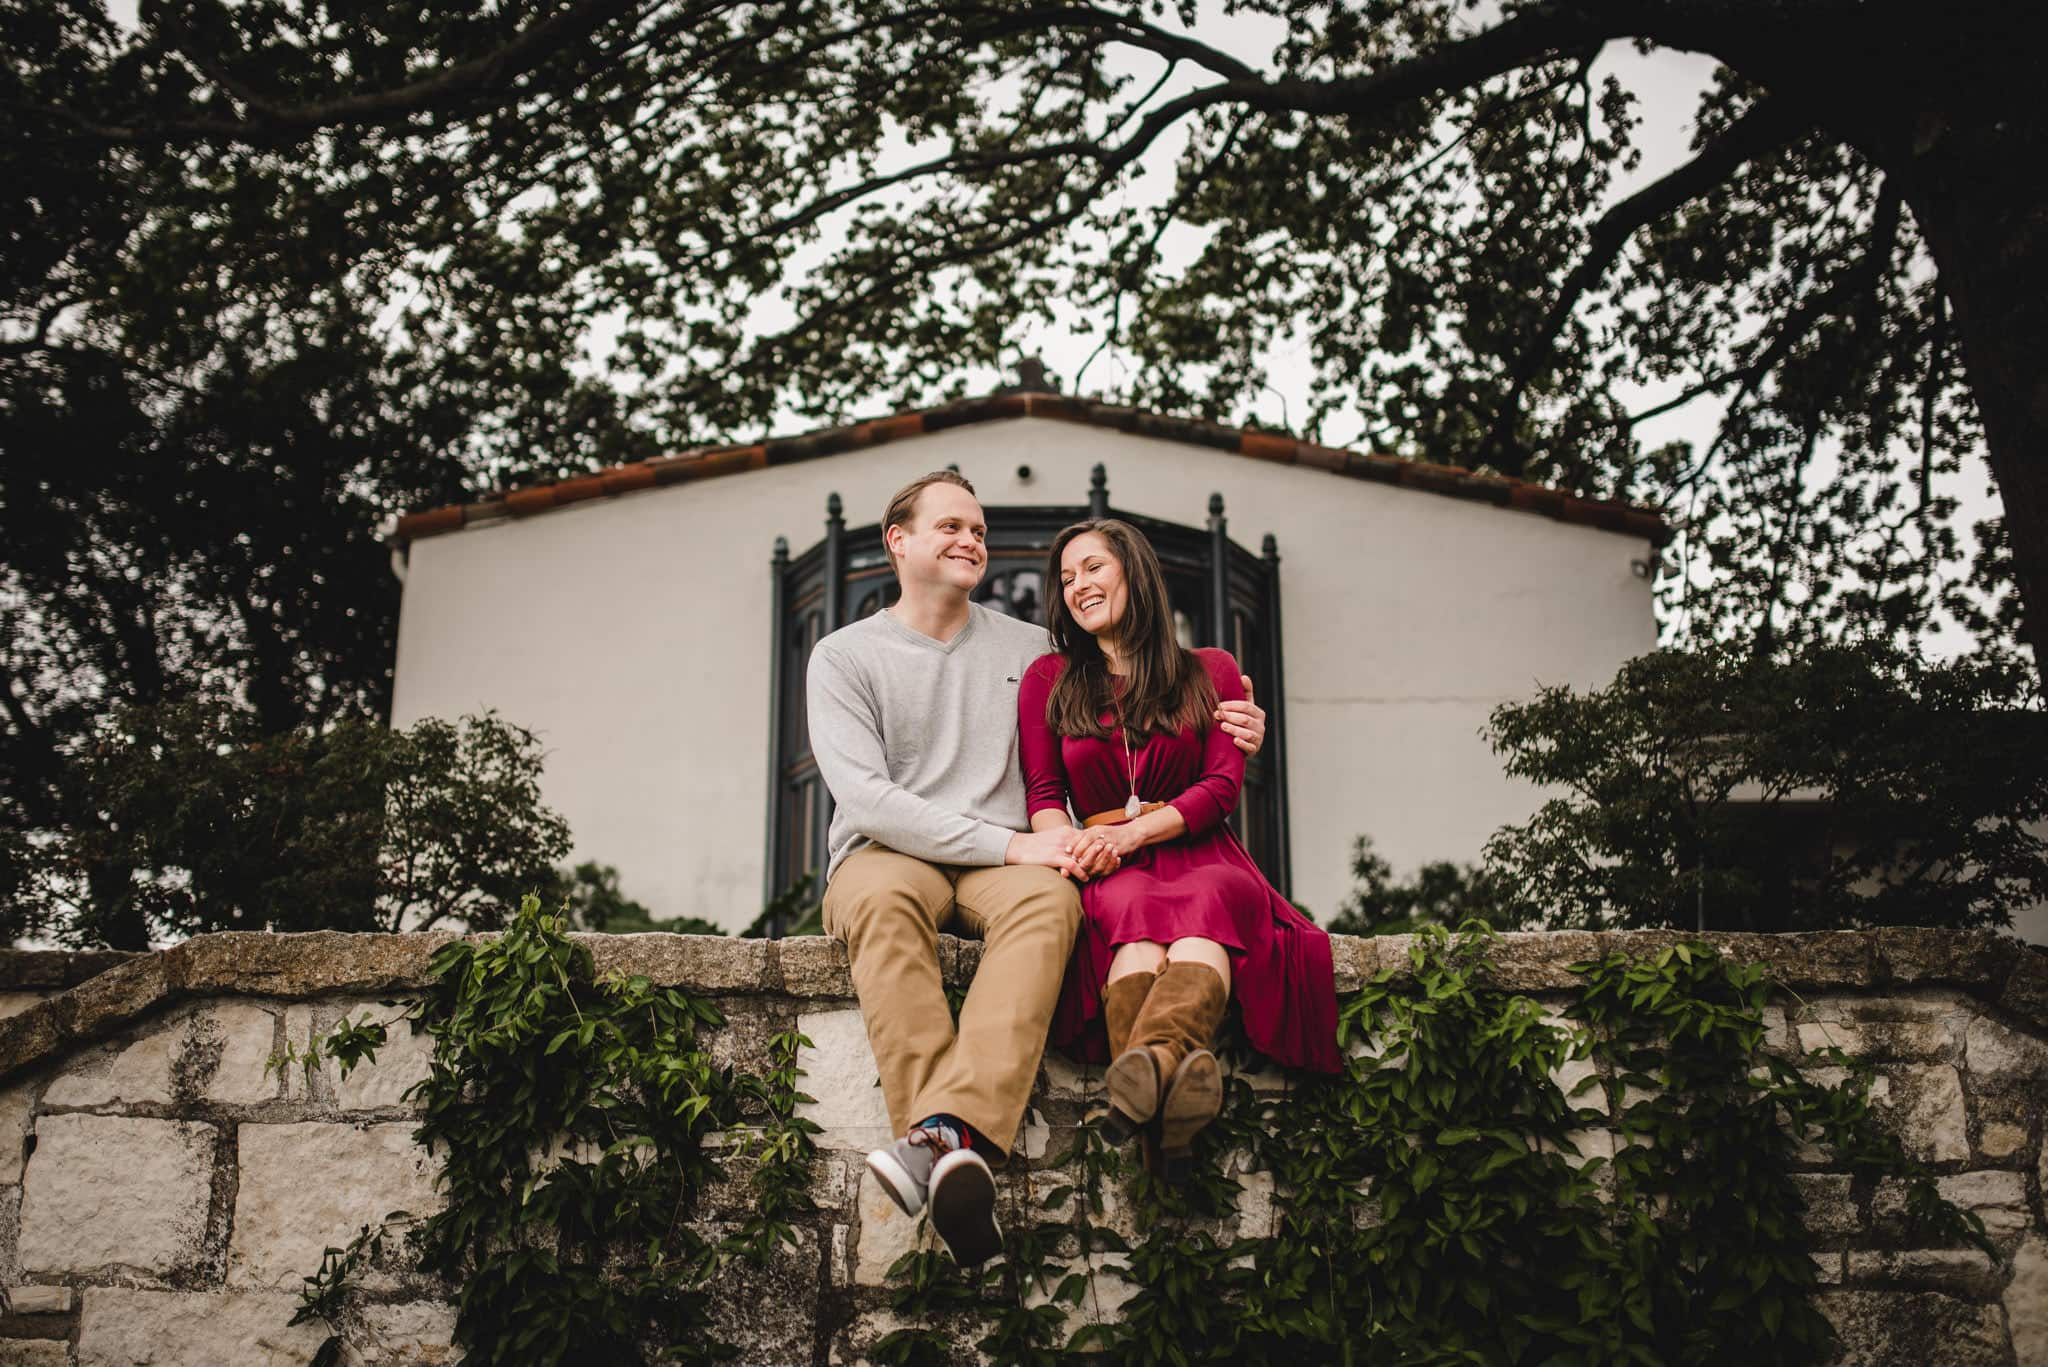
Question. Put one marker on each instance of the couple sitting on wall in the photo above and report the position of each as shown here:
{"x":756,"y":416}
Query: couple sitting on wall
{"x":955,"y":746}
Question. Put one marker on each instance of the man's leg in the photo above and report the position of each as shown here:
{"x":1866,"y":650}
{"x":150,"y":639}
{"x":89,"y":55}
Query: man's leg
{"x":1026,"y":915}
{"x":888,"y":908}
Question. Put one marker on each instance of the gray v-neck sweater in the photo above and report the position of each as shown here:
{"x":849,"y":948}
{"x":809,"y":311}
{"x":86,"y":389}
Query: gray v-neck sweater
{"x":917,"y":738}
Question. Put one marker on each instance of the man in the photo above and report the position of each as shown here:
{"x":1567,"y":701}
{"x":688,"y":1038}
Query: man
{"x":913,"y":720}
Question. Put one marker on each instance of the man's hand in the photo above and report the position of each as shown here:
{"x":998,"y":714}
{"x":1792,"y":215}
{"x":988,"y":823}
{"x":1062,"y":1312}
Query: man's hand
{"x":1244,"y":722}
{"x":1050,"y":848}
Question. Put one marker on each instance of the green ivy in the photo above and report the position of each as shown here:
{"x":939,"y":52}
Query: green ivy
{"x":574,"y":1120}
{"x":1433,"y":1204}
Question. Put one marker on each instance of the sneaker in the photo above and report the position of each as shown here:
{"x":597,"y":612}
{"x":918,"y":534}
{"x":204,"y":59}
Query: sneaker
{"x":963,"y":1199}
{"x":904,"y":1169}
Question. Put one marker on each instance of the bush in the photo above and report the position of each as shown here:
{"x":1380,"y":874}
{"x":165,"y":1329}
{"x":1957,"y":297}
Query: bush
{"x":199,"y":823}
{"x":1847,"y":786}
{"x":590,"y":898}
{"x":1441,"y":894}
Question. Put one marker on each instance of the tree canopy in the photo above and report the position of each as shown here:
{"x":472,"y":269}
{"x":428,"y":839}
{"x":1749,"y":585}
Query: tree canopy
{"x":277,"y":269}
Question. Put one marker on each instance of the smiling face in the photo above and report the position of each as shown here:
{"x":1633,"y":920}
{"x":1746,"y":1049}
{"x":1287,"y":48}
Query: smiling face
{"x":1092,"y":584}
{"x":944,"y":544}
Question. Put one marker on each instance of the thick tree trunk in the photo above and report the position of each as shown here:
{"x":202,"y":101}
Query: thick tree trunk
{"x":1985,"y":217}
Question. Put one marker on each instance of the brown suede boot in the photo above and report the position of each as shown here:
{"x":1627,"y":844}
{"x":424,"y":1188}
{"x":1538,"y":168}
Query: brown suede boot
{"x":1132,"y":1080}
{"x":1175,"y":1027}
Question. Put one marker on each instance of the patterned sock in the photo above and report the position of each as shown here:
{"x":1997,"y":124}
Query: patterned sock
{"x":947,"y":1132}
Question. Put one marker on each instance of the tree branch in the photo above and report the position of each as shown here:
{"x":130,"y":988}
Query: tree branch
{"x":1763,"y":128}
{"x":269,"y":122}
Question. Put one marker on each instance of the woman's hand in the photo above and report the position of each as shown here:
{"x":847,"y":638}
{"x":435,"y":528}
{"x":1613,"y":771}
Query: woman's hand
{"x":1116,"y":842}
{"x":1095,"y":856}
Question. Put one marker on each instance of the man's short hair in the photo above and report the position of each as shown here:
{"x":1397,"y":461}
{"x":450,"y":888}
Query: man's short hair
{"x":903,"y":507}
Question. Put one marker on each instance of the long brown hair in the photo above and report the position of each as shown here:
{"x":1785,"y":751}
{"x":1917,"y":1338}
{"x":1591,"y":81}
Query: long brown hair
{"x":1166,"y":689}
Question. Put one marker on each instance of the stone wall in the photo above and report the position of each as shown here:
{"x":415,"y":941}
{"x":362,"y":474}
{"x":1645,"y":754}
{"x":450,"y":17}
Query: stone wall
{"x":164,"y":1188}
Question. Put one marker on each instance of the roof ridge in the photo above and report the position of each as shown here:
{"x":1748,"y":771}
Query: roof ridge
{"x":710,"y":462}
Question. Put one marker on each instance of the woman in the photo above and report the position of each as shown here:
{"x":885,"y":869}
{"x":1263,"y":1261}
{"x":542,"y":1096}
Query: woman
{"x":1175,"y":915}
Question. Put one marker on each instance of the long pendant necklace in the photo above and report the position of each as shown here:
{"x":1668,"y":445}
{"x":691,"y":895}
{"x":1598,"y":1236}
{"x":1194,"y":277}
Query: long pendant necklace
{"x":1132,"y":806}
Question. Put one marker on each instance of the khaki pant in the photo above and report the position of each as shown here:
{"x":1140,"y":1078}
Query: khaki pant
{"x":889,"y":909}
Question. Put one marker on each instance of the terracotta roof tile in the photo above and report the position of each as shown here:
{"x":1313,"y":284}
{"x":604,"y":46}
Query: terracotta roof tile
{"x":1268,"y":446}
{"x":713,"y":462}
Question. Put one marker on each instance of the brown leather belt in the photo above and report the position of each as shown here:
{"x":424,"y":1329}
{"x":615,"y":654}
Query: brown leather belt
{"x":1119,"y":815}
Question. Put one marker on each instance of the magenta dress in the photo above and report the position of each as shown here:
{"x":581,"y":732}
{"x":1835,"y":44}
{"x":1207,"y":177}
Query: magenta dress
{"x":1202,"y":883}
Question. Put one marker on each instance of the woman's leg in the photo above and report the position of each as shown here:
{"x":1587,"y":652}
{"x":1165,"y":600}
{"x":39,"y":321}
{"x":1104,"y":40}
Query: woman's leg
{"x":1139,"y":956}
{"x":1194,"y":949}
{"x":1179,"y":1023}
{"x":1132,"y":1079}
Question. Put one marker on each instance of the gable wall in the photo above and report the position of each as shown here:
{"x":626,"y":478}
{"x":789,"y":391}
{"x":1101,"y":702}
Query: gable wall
{"x":632,"y":633}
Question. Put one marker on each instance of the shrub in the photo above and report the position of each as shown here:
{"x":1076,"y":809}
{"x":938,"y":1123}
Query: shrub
{"x":1849,"y":785}
{"x":197,"y":822}
{"x":1440,"y":894}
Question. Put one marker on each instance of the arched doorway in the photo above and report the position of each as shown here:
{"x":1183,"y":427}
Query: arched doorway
{"x":1221,"y":593}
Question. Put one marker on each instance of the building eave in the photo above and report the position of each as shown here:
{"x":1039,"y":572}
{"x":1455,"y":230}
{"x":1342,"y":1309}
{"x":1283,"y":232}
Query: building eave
{"x":1452,"y":481}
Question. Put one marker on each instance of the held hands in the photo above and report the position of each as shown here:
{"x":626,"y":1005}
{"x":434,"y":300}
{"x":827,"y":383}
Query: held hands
{"x":1102,"y":849}
{"x":1048,"y":847}
{"x":1244,"y":722}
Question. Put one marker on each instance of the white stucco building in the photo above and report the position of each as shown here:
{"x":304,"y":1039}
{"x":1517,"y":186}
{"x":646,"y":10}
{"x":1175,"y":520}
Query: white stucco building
{"x":636,"y":618}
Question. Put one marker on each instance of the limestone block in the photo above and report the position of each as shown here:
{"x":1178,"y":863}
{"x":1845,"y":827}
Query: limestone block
{"x":885,"y":1234}
{"x":17,"y":1108}
{"x":1068,"y":1080}
{"x":14,"y":1003}
{"x":1925,"y":1328}
{"x":2001,"y":1139}
{"x":1591,"y":1144}
{"x":405,"y":1059}
{"x":1999,"y":1198}
{"x":259,"y":963}
{"x":104,"y":1003}
{"x":1830,"y":1203}
{"x":701,"y":963}
{"x":1917,"y":1039}
{"x":1034,"y":1137}
{"x":1778,"y":1037}
{"x":1841,"y":1007}
{"x":1827,"y":1268}
{"x":231,"y":1045}
{"x":770,"y":1313}
{"x":112,"y":1192}
{"x":2026,"y":1301}
{"x":1992,"y":1051}
{"x":840,"y":1271}
{"x":1962,"y":1272}
{"x":409,"y":1334}
{"x":832,"y":1180}
{"x":1108,"y":1290}
{"x":41,"y":1300}
{"x":2026,"y":989}
{"x":1354,"y":960}
{"x":299,"y":1023}
{"x":1928,"y":1102}
{"x":1568,"y":1075}
{"x":1257,"y":1217}
{"x":815,"y":966}
{"x":123,"y":1328}
{"x":34,"y":1353}
{"x":841,"y":1078}
{"x":307,"y":1186}
{"x":1265,"y":1077}
{"x":852,"y":1346}
{"x":141,"y":1072}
